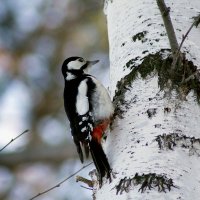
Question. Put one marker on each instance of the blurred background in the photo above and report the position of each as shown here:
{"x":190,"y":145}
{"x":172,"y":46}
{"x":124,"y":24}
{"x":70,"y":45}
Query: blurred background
{"x":35,"y":38}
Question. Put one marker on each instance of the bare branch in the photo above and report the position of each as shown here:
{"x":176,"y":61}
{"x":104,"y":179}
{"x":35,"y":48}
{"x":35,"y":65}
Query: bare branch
{"x":85,"y":180}
{"x":13,"y":140}
{"x":60,"y":183}
{"x":168,"y":25}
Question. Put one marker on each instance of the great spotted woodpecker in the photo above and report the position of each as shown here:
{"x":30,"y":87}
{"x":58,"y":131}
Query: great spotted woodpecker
{"x":89,"y":109}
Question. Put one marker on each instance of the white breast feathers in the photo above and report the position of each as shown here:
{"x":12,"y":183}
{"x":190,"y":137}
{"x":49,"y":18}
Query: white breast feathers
{"x":101,"y":102}
{"x":82,"y":104}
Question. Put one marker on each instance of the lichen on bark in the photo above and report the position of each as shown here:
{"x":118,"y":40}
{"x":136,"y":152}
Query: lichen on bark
{"x":146,"y":182}
{"x":183,"y":80}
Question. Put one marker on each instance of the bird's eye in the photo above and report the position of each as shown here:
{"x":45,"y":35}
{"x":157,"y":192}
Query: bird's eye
{"x":81,"y":59}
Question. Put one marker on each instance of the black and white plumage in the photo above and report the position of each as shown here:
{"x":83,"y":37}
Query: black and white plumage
{"x":89,"y":109}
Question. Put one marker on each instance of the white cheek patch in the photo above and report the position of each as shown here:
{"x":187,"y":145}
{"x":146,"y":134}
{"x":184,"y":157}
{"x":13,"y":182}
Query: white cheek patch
{"x":82,"y":104}
{"x":75,"y":65}
{"x":70,"y":76}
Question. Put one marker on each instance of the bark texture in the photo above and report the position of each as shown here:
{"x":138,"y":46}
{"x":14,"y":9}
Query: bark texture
{"x":154,"y":144}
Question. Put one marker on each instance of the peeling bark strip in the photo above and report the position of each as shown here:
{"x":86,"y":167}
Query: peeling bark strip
{"x":172,"y":140}
{"x":147,"y":182}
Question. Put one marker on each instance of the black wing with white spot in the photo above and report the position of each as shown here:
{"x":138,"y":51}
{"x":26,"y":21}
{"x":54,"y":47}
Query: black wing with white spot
{"x":82,"y":134}
{"x":85,"y":124}
{"x":84,"y":119}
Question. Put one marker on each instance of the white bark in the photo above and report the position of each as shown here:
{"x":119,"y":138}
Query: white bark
{"x":131,"y":146}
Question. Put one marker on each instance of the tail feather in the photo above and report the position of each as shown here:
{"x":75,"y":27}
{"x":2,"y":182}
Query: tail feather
{"x":79,"y":150}
{"x":100,"y":159}
{"x":86,"y":148}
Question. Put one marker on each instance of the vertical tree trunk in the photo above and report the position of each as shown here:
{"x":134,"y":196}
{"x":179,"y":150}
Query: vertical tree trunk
{"x":154,"y":144}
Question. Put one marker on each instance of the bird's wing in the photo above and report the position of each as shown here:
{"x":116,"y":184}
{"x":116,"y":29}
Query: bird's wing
{"x":84,"y":120}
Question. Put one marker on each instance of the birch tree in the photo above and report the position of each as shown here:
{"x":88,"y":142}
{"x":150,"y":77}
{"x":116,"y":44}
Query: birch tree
{"x":154,"y":143}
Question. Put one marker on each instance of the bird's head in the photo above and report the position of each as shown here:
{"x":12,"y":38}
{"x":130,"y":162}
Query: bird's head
{"x":76,"y":66}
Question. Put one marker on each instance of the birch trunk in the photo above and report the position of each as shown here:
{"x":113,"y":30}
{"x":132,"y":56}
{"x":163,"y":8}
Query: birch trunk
{"x":154,"y":144}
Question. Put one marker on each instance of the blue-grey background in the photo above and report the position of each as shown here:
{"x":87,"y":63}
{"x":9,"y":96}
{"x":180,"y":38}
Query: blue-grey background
{"x":35,"y":37}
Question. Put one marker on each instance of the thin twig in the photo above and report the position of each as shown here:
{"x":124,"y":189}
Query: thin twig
{"x":183,"y":40}
{"x":13,"y":140}
{"x":61,"y":182}
{"x":86,"y":187}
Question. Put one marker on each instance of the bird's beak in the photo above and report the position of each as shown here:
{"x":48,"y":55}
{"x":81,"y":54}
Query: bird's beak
{"x":90,"y":63}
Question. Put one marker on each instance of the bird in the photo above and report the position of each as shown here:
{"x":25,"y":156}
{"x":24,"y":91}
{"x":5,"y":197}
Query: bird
{"x":89,"y":109}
